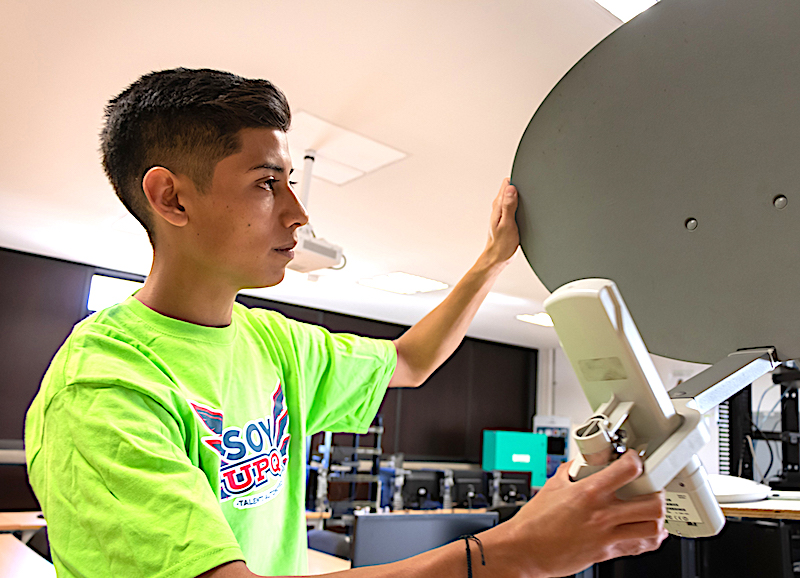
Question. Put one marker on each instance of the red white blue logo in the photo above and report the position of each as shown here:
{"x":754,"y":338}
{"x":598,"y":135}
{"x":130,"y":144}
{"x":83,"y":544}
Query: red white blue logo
{"x":253,"y":457}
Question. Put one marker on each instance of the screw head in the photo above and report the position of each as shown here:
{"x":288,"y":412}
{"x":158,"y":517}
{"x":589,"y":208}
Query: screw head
{"x":780,"y":202}
{"x":691,"y":224}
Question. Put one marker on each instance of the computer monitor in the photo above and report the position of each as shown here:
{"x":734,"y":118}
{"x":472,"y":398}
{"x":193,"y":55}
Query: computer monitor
{"x":515,"y":487}
{"x":384,"y":538}
{"x":471,"y":489}
{"x":557,"y":430}
{"x":312,"y":477}
{"x":422,"y":489}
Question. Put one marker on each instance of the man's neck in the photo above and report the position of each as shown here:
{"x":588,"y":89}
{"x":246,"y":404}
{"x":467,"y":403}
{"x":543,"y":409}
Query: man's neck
{"x":187,"y":294}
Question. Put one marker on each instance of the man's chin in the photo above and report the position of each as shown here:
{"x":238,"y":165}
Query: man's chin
{"x":265,"y":282}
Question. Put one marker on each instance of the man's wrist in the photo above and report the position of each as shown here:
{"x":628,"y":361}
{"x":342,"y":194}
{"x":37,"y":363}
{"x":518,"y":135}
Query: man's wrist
{"x":505,"y":554}
{"x":489,"y":265}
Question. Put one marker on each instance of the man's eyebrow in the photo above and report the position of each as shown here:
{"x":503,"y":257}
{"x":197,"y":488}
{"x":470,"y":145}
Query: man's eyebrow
{"x":270,"y":167}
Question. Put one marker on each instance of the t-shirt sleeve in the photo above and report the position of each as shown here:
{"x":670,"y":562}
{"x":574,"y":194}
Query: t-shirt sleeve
{"x":122,"y":498}
{"x":344,"y":377}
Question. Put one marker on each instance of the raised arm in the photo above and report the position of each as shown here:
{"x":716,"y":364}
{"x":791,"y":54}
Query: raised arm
{"x":424,"y":347}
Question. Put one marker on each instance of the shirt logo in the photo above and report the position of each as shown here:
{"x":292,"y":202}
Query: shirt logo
{"x":252,"y":458}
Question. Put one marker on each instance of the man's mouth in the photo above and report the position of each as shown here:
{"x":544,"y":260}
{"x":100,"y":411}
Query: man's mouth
{"x":287,"y":250}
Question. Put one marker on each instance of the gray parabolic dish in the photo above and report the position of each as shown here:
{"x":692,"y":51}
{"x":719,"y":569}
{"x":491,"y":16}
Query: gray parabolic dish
{"x":689,"y":111}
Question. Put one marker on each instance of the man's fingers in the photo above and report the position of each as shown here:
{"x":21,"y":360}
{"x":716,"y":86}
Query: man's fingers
{"x":503,"y":233}
{"x":563,"y":469}
{"x":508,"y":204}
{"x":617,"y":474}
{"x":497,"y":205}
{"x":560,"y":479}
{"x":651,"y":532}
{"x":649,"y":508}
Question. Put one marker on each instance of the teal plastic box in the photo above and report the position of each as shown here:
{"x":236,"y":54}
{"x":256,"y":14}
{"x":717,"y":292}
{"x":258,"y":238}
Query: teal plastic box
{"x":516,"y":451}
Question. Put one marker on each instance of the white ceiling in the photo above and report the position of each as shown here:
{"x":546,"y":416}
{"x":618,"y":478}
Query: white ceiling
{"x":450,"y":83}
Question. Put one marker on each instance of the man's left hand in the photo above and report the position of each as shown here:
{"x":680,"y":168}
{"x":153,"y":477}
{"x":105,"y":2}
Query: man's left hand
{"x":503,"y":232}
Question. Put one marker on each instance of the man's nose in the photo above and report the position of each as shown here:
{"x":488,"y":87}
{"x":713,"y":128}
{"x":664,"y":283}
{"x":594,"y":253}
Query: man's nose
{"x":296,"y":213}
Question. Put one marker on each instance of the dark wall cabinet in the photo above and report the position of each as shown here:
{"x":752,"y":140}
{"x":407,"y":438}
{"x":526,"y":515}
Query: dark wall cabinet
{"x":40,"y":300}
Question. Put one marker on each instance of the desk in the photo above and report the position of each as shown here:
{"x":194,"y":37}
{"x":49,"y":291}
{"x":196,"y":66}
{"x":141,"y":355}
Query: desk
{"x":19,"y":561}
{"x":16,"y":521}
{"x":26,"y":522}
{"x":321,"y":563}
{"x":770,"y":508}
{"x":317,"y":515}
{"x":448,"y":511}
{"x":316,"y":520}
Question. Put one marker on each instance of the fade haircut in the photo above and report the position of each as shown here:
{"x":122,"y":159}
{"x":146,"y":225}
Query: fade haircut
{"x":185,"y":121}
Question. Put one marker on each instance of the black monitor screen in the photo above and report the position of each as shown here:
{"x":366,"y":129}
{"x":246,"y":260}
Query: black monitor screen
{"x":422,"y":490}
{"x":384,"y":538}
{"x":515,"y":487}
{"x":471,"y":489}
{"x":557,"y":446}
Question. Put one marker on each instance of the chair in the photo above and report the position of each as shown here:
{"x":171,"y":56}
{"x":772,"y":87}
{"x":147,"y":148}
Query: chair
{"x":332,"y":543}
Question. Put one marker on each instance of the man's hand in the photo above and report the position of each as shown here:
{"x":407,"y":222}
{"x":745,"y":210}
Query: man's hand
{"x":569,"y":525}
{"x":503,"y":234}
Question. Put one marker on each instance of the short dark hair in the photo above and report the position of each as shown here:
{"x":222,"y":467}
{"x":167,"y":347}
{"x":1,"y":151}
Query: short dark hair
{"x":186,"y":121}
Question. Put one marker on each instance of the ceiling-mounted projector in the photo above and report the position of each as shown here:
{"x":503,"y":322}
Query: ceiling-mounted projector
{"x":312,"y":252}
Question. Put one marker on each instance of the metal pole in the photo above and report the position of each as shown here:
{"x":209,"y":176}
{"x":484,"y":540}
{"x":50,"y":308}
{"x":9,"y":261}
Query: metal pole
{"x":496,"y":499}
{"x":689,"y":558}
{"x":308,"y":167}
{"x":726,"y":378}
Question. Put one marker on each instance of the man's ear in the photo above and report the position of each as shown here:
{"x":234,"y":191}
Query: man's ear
{"x":160,"y":185}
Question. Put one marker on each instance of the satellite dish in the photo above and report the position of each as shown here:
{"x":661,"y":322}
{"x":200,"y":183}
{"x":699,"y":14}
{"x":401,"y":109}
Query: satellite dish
{"x":668,"y":160}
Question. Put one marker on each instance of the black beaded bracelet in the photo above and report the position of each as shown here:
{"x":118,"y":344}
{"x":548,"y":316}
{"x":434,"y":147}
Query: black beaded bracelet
{"x":467,"y":538}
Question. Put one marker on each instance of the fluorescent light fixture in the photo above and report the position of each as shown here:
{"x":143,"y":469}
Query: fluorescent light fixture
{"x":403,"y":283}
{"x":106,"y":291}
{"x":625,"y":10}
{"x":542,"y":319}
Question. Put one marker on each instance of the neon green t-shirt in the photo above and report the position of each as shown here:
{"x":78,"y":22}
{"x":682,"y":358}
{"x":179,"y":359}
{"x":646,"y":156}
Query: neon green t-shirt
{"x":162,"y":448}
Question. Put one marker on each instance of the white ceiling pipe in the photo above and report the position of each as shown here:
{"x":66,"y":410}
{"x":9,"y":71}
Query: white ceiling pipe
{"x":308,"y":166}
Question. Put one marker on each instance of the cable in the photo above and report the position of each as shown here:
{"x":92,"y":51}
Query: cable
{"x":763,"y":395}
{"x":788,"y":389}
{"x":777,"y":421}
{"x":756,"y":469}
{"x":763,"y":437}
{"x":340,"y":267}
{"x":753,"y":452}
{"x":778,"y":452}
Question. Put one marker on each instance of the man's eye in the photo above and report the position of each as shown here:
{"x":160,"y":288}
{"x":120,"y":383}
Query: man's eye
{"x":293,"y":183}
{"x":269,"y":184}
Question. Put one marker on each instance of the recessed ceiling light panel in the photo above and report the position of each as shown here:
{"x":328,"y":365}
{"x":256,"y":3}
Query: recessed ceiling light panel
{"x":341,"y":155}
{"x":403,"y":283}
{"x":626,"y":10}
{"x":541,"y":318}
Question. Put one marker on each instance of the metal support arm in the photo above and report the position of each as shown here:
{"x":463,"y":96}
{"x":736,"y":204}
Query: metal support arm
{"x":726,"y":378}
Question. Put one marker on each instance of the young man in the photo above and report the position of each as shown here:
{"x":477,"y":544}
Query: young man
{"x":167,"y":437}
